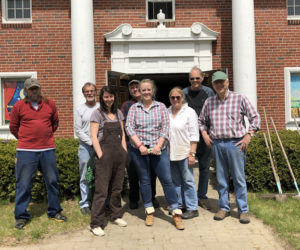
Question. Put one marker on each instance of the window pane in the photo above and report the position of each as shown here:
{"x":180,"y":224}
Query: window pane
{"x":297,"y":11}
{"x":11,"y":13}
{"x":297,"y":2}
{"x":158,"y":7}
{"x":295,"y":95}
{"x":19,"y":13}
{"x":10,"y":4}
{"x":18,"y":3}
{"x":13,"y":91}
{"x":27,"y":13}
{"x":26,"y":3}
{"x":291,"y":2}
{"x":290,"y":11}
{"x":150,"y":10}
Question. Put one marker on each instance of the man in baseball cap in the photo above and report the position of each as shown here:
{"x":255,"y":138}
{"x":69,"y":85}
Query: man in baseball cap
{"x":33,"y":122}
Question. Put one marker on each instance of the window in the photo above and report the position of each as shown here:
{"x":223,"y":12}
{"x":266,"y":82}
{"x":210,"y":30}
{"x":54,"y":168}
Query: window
{"x":293,"y":9}
{"x":292,"y":95}
{"x":12,"y":90}
{"x":153,"y":7}
{"x":16,"y":11}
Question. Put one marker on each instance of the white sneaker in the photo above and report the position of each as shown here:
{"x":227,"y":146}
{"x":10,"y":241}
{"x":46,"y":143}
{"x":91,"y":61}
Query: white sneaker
{"x":98,"y":231}
{"x":120,"y":222}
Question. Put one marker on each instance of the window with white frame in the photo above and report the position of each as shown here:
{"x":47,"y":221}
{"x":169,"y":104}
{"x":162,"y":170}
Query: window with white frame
{"x":293,"y":9}
{"x":16,"y":11}
{"x":12,"y":90}
{"x":153,"y":7}
{"x":292,"y":94}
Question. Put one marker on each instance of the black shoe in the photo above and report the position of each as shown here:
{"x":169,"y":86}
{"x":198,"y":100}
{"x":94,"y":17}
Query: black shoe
{"x":189,"y":214}
{"x":59,"y":218}
{"x":20,"y":223}
{"x":155,"y":203}
{"x":133,"y":205}
{"x":85,"y":210}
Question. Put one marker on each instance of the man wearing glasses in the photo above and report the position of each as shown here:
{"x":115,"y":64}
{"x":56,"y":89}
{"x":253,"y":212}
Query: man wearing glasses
{"x":196,"y":95}
{"x":82,"y":130}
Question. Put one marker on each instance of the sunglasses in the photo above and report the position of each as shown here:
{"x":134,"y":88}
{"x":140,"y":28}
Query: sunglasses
{"x":175,"y":97}
{"x":195,"y":78}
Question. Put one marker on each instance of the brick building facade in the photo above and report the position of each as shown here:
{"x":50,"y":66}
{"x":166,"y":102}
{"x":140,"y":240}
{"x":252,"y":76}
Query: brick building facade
{"x":42,"y":47}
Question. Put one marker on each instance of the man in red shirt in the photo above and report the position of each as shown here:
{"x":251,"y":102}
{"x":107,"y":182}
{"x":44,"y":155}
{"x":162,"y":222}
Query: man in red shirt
{"x":33,"y":122}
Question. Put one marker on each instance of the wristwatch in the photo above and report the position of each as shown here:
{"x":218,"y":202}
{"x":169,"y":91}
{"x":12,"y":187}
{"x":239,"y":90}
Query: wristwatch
{"x":192,"y":154}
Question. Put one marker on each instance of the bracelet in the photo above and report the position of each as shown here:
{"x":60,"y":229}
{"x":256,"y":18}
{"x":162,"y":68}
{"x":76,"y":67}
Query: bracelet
{"x":140,"y":145}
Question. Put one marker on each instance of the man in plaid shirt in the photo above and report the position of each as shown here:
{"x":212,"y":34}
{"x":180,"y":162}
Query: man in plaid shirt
{"x":224,"y":115}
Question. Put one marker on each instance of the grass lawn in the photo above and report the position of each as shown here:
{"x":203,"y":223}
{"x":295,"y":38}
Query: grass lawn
{"x":40,"y":226}
{"x":283,"y":217}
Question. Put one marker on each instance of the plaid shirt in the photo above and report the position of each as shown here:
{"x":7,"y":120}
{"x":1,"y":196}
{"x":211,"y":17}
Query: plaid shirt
{"x":226,"y":119}
{"x":149,"y":125}
{"x":126,"y":106}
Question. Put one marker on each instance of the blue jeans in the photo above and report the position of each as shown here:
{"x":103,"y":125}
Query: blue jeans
{"x":183,"y":179}
{"x":203,"y":155}
{"x":85,"y":152}
{"x":229,"y":158}
{"x":25,"y":170}
{"x":161,"y":166}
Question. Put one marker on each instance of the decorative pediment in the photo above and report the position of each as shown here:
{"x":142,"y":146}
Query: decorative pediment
{"x":125,"y":32}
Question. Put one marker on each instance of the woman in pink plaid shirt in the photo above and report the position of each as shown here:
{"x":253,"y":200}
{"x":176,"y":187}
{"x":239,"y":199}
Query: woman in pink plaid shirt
{"x":147,"y":126}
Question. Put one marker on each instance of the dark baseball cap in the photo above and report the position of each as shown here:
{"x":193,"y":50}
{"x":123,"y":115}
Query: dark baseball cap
{"x":133,"y":81}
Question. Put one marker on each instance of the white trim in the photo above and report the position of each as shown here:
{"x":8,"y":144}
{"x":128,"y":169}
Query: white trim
{"x":293,"y":17}
{"x":17,"y":20}
{"x":155,"y":20}
{"x":4,"y":129}
{"x":287,"y":85}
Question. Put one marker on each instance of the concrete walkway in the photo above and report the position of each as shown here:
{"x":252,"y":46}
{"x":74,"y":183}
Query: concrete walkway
{"x":200,"y":233}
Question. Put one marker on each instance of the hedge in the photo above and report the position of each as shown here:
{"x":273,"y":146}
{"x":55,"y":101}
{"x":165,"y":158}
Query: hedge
{"x":258,"y":172}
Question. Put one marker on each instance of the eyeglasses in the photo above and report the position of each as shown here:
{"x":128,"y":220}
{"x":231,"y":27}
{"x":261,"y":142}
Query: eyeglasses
{"x":89,"y":91}
{"x":195,"y":78}
{"x":175,"y":97}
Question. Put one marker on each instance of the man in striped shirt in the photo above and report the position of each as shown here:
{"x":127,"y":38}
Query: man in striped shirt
{"x":224,"y":115}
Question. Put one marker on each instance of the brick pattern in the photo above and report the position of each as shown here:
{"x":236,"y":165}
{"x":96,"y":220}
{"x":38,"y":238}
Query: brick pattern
{"x":45,"y":46}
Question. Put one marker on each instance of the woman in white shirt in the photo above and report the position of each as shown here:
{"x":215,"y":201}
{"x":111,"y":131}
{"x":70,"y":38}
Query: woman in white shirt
{"x":184,"y":135}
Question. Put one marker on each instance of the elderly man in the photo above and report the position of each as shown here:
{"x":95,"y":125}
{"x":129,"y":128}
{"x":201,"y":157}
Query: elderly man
{"x":227,"y":136}
{"x":33,"y":122}
{"x":134,"y":189}
{"x":82,"y":130}
{"x":195,"y":96}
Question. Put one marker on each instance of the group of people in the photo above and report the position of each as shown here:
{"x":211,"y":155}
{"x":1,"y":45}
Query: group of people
{"x":149,"y":141}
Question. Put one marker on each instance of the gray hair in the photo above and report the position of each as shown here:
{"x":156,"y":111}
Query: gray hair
{"x":89,"y":84}
{"x":196,"y":68}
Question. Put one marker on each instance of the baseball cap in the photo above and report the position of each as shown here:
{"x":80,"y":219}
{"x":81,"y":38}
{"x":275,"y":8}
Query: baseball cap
{"x":133,"y":81}
{"x":219,"y":75}
{"x":32,"y":82}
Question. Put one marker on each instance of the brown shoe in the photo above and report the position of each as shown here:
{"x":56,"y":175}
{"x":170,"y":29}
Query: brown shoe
{"x":204,"y":203}
{"x":221,"y":214}
{"x":244,"y":218}
{"x":178,"y":222}
{"x":149,"y":219}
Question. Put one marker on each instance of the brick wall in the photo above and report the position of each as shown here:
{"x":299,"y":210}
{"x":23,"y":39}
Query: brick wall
{"x":45,"y":46}
{"x":277,"y":46}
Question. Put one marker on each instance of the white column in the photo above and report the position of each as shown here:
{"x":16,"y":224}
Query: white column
{"x":244,"y":56}
{"x":83,"y":54}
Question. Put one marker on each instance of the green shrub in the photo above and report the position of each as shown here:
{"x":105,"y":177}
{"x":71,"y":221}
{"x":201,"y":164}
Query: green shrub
{"x":67,"y":164}
{"x":258,"y":171}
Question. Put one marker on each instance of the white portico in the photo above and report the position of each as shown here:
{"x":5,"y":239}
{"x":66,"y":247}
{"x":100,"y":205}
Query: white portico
{"x":160,"y":50}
